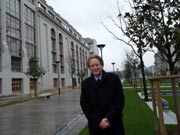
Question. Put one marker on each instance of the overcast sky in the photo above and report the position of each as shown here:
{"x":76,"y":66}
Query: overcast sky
{"x":87,"y":16}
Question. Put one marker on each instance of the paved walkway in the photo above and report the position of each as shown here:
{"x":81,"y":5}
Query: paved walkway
{"x":4,"y":100}
{"x":59,"y":115}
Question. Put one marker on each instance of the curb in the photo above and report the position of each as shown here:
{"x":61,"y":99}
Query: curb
{"x":74,"y":126}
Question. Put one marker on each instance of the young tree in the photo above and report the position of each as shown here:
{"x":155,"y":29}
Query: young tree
{"x":81,"y":74}
{"x":71,"y":70}
{"x":34,"y":71}
{"x":131,"y":67}
{"x":127,"y":71}
{"x":135,"y":65}
{"x":131,"y":26}
{"x":162,"y":19}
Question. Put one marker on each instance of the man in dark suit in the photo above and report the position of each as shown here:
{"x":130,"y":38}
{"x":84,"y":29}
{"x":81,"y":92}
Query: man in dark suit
{"x":102,"y":100}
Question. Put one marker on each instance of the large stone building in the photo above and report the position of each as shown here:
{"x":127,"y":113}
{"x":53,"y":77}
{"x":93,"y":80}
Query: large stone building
{"x":31,"y":28}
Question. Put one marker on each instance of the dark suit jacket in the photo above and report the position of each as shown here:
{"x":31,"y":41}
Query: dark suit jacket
{"x":104,"y":99}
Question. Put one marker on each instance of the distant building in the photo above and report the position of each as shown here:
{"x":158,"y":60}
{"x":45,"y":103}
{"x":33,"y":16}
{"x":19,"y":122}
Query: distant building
{"x":31,"y":28}
{"x":92,"y":46}
{"x":149,"y":71}
{"x":161,"y":66}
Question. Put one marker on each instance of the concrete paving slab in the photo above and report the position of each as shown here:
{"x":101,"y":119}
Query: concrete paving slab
{"x":169,"y":116}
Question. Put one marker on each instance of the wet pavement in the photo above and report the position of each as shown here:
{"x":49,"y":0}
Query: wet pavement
{"x":59,"y":115}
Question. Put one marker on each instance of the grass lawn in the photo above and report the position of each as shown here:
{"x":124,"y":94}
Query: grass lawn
{"x":138,"y":118}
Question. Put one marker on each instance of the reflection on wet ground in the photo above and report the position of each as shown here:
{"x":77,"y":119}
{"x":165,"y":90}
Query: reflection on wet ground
{"x":40,"y":117}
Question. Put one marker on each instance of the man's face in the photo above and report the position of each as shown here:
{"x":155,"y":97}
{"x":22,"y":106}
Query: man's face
{"x":95,"y":67}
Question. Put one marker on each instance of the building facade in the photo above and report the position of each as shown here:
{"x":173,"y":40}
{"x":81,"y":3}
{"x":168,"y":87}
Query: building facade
{"x":162,"y":67}
{"x":93,"y":49}
{"x":31,"y":28}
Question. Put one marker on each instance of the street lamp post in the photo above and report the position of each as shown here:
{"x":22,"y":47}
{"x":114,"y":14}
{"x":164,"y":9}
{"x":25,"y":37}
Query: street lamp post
{"x":113,"y":65}
{"x":59,"y":88}
{"x":101,"y":46}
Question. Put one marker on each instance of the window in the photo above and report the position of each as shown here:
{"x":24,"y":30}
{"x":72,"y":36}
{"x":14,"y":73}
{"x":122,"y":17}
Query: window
{"x":62,"y":61}
{"x":13,"y":27}
{"x":62,"y":70}
{"x":29,"y":16}
{"x":0,"y":42}
{"x":86,"y":57}
{"x":13,"y":7}
{"x":51,"y":14}
{"x":54,"y":63}
{"x":77,"y":57}
{"x":15,"y":64}
{"x":81,"y":58}
{"x":54,"y":55}
{"x":54,"y":68}
{"x":30,"y":50}
{"x":72,"y":50}
{"x":55,"y":82}
{"x":72,"y":58}
{"x":61,"y":53}
{"x":58,"y":20}
{"x":53,"y":40}
{"x":14,"y":46}
{"x":0,"y":85}
{"x":63,"y":82}
{"x":1,"y":67}
{"x":31,"y":1}
{"x":0,"y":33}
{"x":33,"y":84}
{"x":60,"y":44}
{"x":16,"y":85}
{"x":62,"y":64}
{"x":70,"y":30}
{"x":29,"y":34}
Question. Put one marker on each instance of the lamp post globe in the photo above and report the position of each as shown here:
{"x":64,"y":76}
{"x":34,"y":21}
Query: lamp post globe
{"x":113,"y":65}
{"x":101,"y":46}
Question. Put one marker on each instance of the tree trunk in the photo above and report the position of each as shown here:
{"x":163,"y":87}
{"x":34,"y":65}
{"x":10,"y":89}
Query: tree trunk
{"x":175,"y":95}
{"x":143,"y":78}
{"x":72,"y":82}
{"x":35,"y":90}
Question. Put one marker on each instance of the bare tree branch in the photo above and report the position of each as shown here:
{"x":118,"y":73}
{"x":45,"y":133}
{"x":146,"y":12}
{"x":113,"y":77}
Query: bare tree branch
{"x":128,"y":43}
